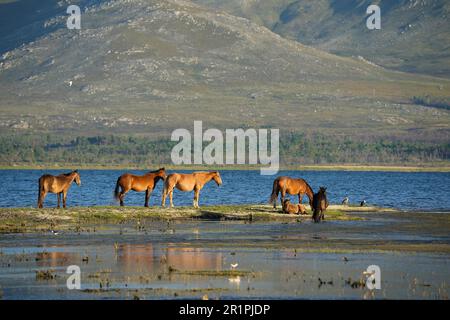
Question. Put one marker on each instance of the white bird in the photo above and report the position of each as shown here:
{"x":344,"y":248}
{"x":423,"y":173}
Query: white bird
{"x":345,"y":201}
{"x":234,"y":265}
{"x":70,"y":83}
{"x":236,"y":280}
{"x":55,"y":233}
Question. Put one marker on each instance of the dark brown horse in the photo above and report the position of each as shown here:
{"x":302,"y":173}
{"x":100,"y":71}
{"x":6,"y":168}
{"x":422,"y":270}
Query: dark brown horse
{"x":290,"y":186}
{"x":187,"y":182}
{"x":320,"y":204}
{"x":57,"y":184}
{"x":146,"y":183}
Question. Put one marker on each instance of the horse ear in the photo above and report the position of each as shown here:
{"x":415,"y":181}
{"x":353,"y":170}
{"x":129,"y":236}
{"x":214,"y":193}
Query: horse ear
{"x":76,"y":170}
{"x":163,"y":169}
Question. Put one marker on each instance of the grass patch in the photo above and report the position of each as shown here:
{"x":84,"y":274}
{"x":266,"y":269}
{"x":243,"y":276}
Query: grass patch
{"x":13,"y":220}
{"x":214,"y":273}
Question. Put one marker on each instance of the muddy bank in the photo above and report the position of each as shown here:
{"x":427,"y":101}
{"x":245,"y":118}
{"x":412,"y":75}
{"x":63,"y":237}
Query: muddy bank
{"x":210,"y":259}
{"x":143,"y":253}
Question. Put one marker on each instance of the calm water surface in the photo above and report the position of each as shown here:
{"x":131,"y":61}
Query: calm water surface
{"x":403,"y":190}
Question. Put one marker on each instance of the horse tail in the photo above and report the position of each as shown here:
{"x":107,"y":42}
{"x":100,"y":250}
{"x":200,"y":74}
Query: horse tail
{"x":165,"y":187}
{"x":275,"y":191}
{"x":39,"y":190}
{"x":116,"y":190}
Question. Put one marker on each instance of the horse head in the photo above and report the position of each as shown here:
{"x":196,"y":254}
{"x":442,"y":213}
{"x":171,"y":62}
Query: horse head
{"x":162,"y":173}
{"x":77,"y":177}
{"x":217,"y":178}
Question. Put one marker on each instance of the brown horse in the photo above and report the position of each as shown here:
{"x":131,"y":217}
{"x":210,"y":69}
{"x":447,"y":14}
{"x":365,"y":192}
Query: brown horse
{"x":290,"y":208}
{"x":320,"y":204}
{"x":187,"y":182}
{"x":290,"y":186}
{"x":146,"y":183}
{"x":57,"y":184}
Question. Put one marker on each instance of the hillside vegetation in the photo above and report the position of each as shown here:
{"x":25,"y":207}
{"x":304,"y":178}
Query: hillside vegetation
{"x":139,"y":69}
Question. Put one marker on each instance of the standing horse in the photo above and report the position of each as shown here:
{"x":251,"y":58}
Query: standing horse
{"x":57,"y":184}
{"x":187,"y":182}
{"x":290,"y":186}
{"x":146,"y":183}
{"x":320,"y":204}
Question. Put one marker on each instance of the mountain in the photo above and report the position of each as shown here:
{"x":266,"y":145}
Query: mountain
{"x":414,"y":35}
{"x":145,"y":68}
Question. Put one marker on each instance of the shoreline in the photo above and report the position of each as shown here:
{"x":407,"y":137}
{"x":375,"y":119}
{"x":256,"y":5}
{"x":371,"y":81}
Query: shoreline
{"x":151,"y":253}
{"x":328,"y":167}
{"x":30,"y":220}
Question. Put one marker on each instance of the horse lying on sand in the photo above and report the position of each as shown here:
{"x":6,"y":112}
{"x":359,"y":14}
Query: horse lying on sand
{"x":56,"y":184}
{"x":290,"y":208}
{"x":147,"y":183}
{"x":187,"y":182}
{"x":290,"y":186}
{"x":320,"y":204}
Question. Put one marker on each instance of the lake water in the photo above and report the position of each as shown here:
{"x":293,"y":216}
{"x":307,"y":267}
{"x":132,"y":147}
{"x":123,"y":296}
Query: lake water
{"x":403,"y":190}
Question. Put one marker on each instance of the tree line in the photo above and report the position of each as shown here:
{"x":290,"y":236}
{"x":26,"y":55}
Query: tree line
{"x":295,"y":149}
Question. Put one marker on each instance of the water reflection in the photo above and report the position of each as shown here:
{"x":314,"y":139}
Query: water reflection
{"x":55,"y":259}
{"x":145,"y":258}
{"x":193,"y":259}
{"x":132,"y":257}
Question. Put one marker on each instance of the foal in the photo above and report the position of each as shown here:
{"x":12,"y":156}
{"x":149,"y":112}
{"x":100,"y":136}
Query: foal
{"x":290,"y":208}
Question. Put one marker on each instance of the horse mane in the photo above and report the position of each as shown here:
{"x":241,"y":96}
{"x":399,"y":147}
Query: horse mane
{"x":156,"y":171}
{"x":309,"y":187}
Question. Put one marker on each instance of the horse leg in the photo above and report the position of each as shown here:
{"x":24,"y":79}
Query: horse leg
{"x":58,"y":195}
{"x":42,"y":196}
{"x":283,"y":195}
{"x":64,"y":198}
{"x":171,"y":198}
{"x":196,"y":196}
{"x":163,"y":198}
{"x":122,"y":196}
{"x":300,"y":197}
{"x":148,"y":193}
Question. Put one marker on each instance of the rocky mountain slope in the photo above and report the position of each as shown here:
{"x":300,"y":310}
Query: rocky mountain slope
{"x":414,"y":35}
{"x":147,"y":67}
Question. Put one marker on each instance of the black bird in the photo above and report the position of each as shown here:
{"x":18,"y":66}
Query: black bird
{"x":363,"y":203}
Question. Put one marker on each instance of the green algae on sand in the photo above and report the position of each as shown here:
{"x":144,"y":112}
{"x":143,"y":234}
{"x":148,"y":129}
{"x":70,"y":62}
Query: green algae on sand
{"x":37,"y":220}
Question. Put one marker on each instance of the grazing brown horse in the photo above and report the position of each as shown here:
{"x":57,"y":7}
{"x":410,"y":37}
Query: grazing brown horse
{"x":187,"y":182}
{"x":146,"y":183}
{"x":290,"y":186}
{"x":290,"y":208}
{"x":320,"y":204}
{"x":57,"y":184}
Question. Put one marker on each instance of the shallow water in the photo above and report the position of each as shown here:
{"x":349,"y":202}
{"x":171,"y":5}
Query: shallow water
{"x":403,"y":190}
{"x":278,"y":260}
